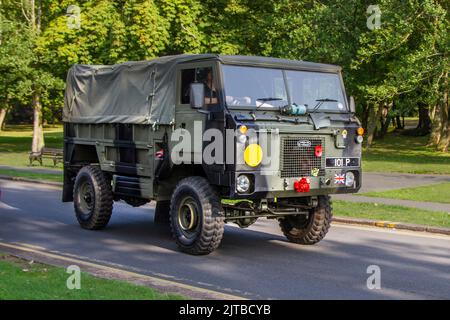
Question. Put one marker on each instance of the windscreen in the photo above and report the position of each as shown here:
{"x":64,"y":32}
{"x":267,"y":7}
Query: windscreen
{"x":255,"y":87}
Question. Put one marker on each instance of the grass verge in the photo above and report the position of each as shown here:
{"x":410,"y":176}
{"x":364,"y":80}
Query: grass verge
{"x":24,"y":280}
{"x":32,"y":175}
{"x":391,"y":213}
{"x":400,"y":153}
{"x":432,"y":193}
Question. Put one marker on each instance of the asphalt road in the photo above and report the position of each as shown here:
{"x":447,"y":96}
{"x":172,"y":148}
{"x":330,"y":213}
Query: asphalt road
{"x":255,"y":263}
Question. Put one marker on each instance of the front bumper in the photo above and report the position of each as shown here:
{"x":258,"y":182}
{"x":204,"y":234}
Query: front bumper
{"x":268,"y":185}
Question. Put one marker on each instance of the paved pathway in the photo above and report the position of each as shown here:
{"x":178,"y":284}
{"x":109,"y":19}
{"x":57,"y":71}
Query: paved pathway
{"x":32,"y":169}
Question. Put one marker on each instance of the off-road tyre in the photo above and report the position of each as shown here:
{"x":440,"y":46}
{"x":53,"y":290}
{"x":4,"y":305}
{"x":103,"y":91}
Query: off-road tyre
{"x":93,"y":207}
{"x":302,"y":230}
{"x":202,"y":234}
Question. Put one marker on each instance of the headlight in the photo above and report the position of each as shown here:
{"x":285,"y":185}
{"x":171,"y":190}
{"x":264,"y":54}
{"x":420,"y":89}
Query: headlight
{"x":349,"y":179}
{"x":242,"y":184}
{"x":253,"y":155}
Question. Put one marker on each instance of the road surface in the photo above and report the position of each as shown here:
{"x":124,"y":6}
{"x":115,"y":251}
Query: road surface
{"x":254,"y":263}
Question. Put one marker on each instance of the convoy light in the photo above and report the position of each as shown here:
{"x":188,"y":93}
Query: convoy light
{"x":349,"y":179}
{"x":242,"y":138}
{"x":253,"y":155}
{"x":302,"y":185}
{"x":360,"y":131}
{"x":318,"y":151}
{"x":242,"y":183}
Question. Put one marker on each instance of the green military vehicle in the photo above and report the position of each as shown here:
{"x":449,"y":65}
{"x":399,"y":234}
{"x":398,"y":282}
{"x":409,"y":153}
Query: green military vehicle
{"x":212,"y":139}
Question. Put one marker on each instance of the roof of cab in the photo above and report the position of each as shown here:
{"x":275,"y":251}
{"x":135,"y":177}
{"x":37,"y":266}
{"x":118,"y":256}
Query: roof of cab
{"x":268,"y":62}
{"x":254,"y":61}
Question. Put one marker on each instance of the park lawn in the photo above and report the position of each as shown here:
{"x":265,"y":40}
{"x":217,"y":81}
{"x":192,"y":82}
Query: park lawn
{"x":15,"y":145}
{"x":430,"y":193}
{"x":23,"y":280}
{"x":391,"y":213}
{"x":399,"y":153}
{"x":31,"y":175}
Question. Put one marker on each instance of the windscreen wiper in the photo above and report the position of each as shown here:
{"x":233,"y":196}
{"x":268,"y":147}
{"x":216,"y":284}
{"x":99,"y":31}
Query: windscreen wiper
{"x":264,"y":100}
{"x":320,"y":102}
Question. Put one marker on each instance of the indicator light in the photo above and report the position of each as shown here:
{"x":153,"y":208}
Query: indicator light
{"x":360,"y":131}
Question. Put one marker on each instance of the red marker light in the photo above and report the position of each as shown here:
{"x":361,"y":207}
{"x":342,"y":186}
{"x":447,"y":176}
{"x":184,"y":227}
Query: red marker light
{"x":318,"y":151}
{"x":302,"y":185}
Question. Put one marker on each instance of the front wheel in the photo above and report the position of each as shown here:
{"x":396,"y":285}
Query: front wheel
{"x":309,"y":229}
{"x":196,"y":216}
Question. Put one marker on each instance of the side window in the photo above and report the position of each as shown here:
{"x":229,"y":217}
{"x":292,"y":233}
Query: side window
{"x":200,"y":75}
{"x":187,"y":77}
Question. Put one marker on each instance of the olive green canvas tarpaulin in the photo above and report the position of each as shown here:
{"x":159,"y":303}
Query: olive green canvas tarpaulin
{"x":143,"y":92}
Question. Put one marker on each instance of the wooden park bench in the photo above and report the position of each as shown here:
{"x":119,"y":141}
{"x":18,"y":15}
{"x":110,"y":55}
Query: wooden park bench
{"x":49,"y":153}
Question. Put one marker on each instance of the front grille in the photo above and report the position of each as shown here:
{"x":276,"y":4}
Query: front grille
{"x":298,"y":159}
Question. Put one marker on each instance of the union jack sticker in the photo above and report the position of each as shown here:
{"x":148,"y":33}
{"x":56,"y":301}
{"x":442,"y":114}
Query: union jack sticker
{"x":339,"y":178}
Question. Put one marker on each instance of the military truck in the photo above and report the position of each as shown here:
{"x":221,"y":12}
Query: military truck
{"x":124,"y":126}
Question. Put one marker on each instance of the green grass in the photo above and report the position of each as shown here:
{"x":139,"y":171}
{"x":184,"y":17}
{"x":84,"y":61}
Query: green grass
{"x":21,"y":280}
{"x":391,"y":213}
{"x":431,"y":193}
{"x":15,"y":145}
{"x":32,"y":175}
{"x":398,"y":153}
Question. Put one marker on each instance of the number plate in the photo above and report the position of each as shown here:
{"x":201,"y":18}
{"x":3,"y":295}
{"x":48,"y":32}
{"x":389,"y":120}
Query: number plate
{"x":342,"y":162}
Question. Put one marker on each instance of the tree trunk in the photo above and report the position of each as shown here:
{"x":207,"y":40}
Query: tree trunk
{"x":436,"y":126}
{"x":3,"y":112}
{"x":398,"y":122}
{"x":385,"y":120}
{"x":373,"y":120}
{"x":445,"y":128}
{"x":424,"y":125}
{"x":38,"y":132}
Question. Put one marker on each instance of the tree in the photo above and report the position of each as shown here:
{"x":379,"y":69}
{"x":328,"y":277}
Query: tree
{"x":28,"y":81}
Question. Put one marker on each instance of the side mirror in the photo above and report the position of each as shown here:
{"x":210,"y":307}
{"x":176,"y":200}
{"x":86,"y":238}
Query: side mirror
{"x":197,"y":95}
{"x":352,"y":105}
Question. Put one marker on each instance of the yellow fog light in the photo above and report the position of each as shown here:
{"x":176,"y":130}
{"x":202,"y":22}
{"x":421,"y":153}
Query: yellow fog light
{"x":253,"y":155}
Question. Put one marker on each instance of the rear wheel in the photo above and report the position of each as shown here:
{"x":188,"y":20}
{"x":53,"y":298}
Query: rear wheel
{"x":196,"y":216}
{"x":92,"y":198}
{"x":309,"y":229}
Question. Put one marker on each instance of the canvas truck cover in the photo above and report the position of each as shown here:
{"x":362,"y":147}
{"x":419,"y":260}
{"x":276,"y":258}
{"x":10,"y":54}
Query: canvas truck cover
{"x":143,"y":92}
{"x":140,"y":92}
